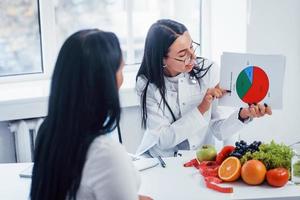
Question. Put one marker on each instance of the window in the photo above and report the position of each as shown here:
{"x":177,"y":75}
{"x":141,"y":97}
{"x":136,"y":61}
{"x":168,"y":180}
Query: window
{"x":145,"y":13}
{"x":23,"y":30}
{"x":20,"y":44}
{"x":129,"y":19}
{"x":108,"y":15}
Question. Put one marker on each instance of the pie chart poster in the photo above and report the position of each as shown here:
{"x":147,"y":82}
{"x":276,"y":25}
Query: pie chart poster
{"x":252,"y":79}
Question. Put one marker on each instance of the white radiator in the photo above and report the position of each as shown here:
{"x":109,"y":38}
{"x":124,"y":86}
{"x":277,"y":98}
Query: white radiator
{"x":25,"y":132}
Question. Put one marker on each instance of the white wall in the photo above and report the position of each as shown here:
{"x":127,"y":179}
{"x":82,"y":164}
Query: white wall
{"x":274,"y":28}
{"x":263,"y":27}
{"x":224,"y":25}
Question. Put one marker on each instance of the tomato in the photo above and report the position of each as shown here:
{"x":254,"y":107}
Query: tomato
{"x":224,"y":153}
{"x":277,"y":177}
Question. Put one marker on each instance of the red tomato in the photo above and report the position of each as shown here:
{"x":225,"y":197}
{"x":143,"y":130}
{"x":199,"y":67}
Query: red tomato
{"x":278,"y":177}
{"x":224,"y":153}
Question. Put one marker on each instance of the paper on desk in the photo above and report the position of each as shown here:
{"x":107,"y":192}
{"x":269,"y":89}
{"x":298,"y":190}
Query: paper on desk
{"x":252,"y":79}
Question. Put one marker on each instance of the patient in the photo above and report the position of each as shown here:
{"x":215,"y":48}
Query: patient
{"x":74,"y":158}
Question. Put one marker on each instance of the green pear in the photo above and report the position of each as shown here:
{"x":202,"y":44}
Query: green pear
{"x":206,"y":153}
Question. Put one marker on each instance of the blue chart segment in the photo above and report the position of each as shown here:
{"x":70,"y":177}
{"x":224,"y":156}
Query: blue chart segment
{"x":249,"y":72}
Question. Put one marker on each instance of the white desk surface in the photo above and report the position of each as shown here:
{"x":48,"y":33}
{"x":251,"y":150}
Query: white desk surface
{"x":171,"y":183}
{"x":12,"y":187}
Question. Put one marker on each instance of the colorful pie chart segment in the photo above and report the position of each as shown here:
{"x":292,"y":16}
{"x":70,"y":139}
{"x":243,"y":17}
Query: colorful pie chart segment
{"x":252,"y":84}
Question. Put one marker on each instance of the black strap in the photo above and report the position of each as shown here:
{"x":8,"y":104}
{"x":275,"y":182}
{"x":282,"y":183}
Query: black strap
{"x":168,"y":106}
{"x":119,"y":133}
{"x":173,"y":116}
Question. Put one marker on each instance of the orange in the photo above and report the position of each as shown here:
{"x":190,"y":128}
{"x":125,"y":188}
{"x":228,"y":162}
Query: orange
{"x":230,"y":169}
{"x":253,"y":172}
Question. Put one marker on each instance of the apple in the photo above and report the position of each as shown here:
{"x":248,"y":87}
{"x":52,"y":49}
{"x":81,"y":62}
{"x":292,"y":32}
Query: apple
{"x":206,"y":153}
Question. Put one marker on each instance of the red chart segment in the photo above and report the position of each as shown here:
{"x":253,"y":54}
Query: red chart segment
{"x":256,"y":89}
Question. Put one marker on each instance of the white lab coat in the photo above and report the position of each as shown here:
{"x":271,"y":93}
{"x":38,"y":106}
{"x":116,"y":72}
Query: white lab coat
{"x":163,"y":136}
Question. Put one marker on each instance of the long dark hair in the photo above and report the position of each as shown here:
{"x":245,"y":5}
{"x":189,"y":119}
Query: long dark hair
{"x":160,"y":37}
{"x":83,"y":104}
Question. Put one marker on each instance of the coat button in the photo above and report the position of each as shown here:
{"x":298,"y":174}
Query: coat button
{"x":183,"y":104}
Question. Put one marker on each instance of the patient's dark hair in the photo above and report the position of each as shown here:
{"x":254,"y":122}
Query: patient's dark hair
{"x":83,"y":104}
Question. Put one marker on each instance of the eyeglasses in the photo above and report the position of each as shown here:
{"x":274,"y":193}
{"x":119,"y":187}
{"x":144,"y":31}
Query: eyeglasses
{"x":189,"y":58}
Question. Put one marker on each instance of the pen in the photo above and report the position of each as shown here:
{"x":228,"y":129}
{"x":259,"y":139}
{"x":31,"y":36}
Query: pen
{"x":163,"y":164}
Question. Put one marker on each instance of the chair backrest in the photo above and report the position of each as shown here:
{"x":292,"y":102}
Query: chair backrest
{"x":130,"y":126}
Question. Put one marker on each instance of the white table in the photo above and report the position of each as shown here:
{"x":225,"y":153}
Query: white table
{"x":178,"y":182}
{"x":12,"y":187}
{"x":171,"y":183}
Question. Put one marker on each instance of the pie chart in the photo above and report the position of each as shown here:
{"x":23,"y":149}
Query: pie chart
{"x":252,"y":84}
